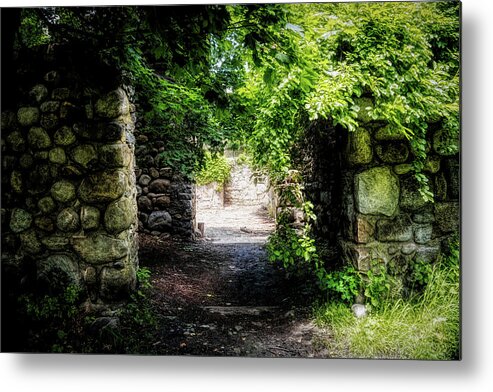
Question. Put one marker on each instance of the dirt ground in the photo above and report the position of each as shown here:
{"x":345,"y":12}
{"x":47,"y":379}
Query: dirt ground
{"x":219,"y":296}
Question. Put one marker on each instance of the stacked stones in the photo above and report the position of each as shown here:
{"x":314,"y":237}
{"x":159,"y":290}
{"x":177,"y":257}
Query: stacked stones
{"x":68,"y":194}
{"x":166,"y":200}
{"x":385,"y":218}
{"x":244,"y":187}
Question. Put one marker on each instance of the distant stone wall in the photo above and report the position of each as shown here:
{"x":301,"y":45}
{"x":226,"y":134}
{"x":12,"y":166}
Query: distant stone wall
{"x":68,"y":184}
{"x":244,"y":187}
{"x":166,"y":200}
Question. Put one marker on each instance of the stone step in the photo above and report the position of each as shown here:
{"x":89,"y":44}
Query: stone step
{"x":241,"y":310}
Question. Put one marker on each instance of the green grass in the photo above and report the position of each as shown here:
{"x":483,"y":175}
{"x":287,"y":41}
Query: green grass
{"x":426,"y":326}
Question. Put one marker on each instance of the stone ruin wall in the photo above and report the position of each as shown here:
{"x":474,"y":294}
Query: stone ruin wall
{"x":245,"y":187}
{"x":68,"y":185}
{"x":373,"y":198}
{"x":165,"y":199}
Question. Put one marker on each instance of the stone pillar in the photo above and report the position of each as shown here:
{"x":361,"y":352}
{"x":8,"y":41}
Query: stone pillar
{"x":69,"y":214}
{"x":384,"y":216}
{"x":166,"y":199}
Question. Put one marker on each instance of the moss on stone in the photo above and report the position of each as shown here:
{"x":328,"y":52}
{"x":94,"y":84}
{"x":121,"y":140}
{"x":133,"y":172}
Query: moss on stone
{"x":20,"y":220}
{"x":392,"y":152}
{"x":119,"y":215}
{"x":411,"y":198}
{"x":30,"y":242}
{"x":360,"y":149}
{"x":26,"y":161}
{"x":38,"y":138}
{"x":46,"y":205}
{"x":16,"y":181}
{"x":377,"y":191}
{"x":84,"y":155}
{"x":103,"y":187}
{"x":68,"y":220}
{"x":16,"y":141}
{"x":97,"y":248}
{"x":64,"y":136}
{"x":89,"y":217}
{"x":113,"y":104}
{"x":28,"y":116}
{"x":57,"y":155}
{"x":389,"y":133}
{"x":63,"y":191}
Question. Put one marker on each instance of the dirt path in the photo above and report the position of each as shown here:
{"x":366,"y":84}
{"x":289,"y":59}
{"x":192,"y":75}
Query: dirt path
{"x":220,"y":296}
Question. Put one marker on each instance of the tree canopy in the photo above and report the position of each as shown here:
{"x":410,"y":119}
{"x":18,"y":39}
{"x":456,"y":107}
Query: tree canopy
{"x":258,"y":74}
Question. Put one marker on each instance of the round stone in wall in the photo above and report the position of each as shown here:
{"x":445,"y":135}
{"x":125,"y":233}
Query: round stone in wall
{"x":144,"y":203}
{"x":49,"y":120}
{"x":16,"y":181}
{"x":44,"y":223}
{"x":377,"y":191}
{"x":38,"y":138}
{"x":57,"y":155}
{"x":154,"y":172}
{"x":68,"y":220}
{"x":159,"y":186}
{"x":26,"y":161}
{"x":97,"y":248}
{"x":30,"y":243}
{"x":50,"y":106}
{"x":113,"y":104}
{"x":39,"y":93}
{"x":103,"y":187}
{"x":46,"y":205}
{"x":17,"y":142}
{"x":20,"y":220}
{"x":28,"y":116}
{"x":119,"y":215}
{"x":64,"y":136}
{"x":159,"y":220}
{"x":84,"y":154}
{"x":144,"y":180}
{"x":89,"y":217}
{"x":63,"y":191}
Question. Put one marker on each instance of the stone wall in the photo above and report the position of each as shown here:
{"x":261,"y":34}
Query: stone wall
{"x":68,"y":183}
{"x":385,"y":216}
{"x":166,"y":200}
{"x":365,"y":194}
{"x":244,"y":187}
